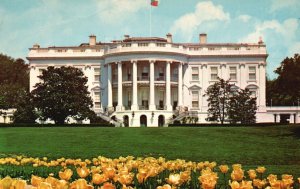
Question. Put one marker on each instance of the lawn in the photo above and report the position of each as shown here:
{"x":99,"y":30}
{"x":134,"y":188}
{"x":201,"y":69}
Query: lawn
{"x":277,"y":148}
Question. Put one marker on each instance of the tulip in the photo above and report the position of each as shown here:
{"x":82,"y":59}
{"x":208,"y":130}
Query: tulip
{"x":259,"y":183}
{"x":44,"y":185}
{"x":108,"y":185}
{"x":36,"y":181}
{"x":80,"y":184}
{"x":62,"y":184}
{"x":166,"y":186}
{"x":66,"y":174}
{"x":224,"y":168}
{"x":19,"y":184}
{"x":6,"y":182}
{"x":98,"y":179}
{"x":51,"y":180}
{"x":173,"y":179}
{"x":252,"y":174}
{"x":261,"y":170}
{"x":237,"y":174}
{"x":242,"y":185}
{"x":83,"y":172}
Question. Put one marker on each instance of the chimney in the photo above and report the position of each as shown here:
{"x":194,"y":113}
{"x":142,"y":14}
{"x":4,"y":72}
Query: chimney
{"x":36,"y":46}
{"x":92,"y":40}
{"x":169,"y":38}
{"x":202,"y":38}
{"x":126,"y":37}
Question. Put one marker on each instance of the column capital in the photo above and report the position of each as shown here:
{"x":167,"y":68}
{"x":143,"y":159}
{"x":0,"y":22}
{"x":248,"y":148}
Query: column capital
{"x":32,"y":67}
{"x":87,"y":66}
{"x":242,"y":64}
{"x":169,"y":61}
{"x":118,"y":62}
{"x":133,"y":61}
{"x":203,"y":65}
{"x":152,"y":61}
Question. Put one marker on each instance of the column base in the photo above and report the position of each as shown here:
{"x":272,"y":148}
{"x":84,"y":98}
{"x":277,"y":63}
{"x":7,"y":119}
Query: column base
{"x":152,"y":107}
{"x":134,"y":107}
{"x":119,"y":108}
{"x":168,"y":107}
{"x":110,"y":109}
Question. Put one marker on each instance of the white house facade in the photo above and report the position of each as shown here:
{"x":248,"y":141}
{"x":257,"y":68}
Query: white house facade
{"x":150,"y":81}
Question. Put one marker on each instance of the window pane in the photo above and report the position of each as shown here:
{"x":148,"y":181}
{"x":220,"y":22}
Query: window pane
{"x":97,"y":105}
{"x":97,"y":71}
{"x":195,"y":104}
{"x":195,"y":95}
{"x":195,"y":70}
{"x":252,"y":76}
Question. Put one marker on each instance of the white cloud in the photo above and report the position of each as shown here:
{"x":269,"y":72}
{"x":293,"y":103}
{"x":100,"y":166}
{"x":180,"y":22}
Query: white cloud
{"x":244,"y":17}
{"x":280,"y":4}
{"x":116,"y":11}
{"x":206,"y":11}
{"x":267,"y":29}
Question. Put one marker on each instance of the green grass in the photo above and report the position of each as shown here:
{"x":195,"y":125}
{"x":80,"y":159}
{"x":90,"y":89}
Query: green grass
{"x":277,"y":148}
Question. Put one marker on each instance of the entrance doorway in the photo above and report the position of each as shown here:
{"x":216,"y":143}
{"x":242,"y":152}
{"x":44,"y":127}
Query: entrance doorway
{"x":126,"y":120}
{"x":143,"y":121}
{"x":161,"y":120}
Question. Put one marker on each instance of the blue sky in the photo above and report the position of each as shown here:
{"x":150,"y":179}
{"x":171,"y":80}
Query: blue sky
{"x":70,"y":22}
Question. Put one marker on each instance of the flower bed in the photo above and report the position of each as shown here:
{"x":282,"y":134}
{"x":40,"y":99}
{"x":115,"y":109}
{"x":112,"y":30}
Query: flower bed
{"x":130,"y":172}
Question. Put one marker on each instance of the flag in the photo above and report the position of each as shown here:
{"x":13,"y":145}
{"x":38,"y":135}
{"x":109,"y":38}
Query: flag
{"x":154,"y":3}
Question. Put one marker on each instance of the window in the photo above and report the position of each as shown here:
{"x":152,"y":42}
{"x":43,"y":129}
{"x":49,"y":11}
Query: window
{"x":97,"y":105}
{"x":214,"y":73}
{"x":145,"y":73}
{"x":97,"y":74}
{"x":195,"y":99}
{"x":97,"y":96}
{"x":195,"y":73}
{"x":232,"y":73}
{"x":143,"y":44}
{"x":160,"y":44}
{"x":253,"y":91}
{"x":252,"y":73}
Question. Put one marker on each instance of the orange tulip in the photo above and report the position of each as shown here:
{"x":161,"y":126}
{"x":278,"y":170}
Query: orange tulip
{"x":62,"y":184}
{"x":259,"y":183}
{"x":44,"y":185}
{"x":66,"y":174}
{"x":51,"y":180}
{"x":166,"y":186}
{"x":83,"y":172}
{"x":237,"y":174}
{"x":80,"y":184}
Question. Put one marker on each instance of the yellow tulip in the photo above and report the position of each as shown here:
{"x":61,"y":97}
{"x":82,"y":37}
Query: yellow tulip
{"x":98,"y":179}
{"x":80,"y":184}
{"x":6,"y":182}
{"x":108,"y":185}
{"x":44,"y":185}
{"x":19,"y":184}
{"x":173,"y":179}
{"x":261,"y":170}
{"x":83,"y":172}
{"x":36,"y":181}
{"x":224,"y":168}
{"x":62,"y":184}
{"x":259,"y":183}
{"x":252,"y":174}
{"x":66,"y":174}
{"x":237,"y":174}
{"x":51,"y":180}
{"x":241,"y":185}
{"x":299,"y":180}
{"x":166,"y":186}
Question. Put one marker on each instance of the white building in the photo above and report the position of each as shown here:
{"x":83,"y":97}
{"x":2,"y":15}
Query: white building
{"x":152,"y":81}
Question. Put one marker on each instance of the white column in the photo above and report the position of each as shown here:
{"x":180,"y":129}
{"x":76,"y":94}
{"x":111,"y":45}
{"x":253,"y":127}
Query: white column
{"x":109,"y":87}
{"x":223,"y":71}
{"x":292,"y":118}
{"x":134,"y":105}
{"x":120,"y":89}
{"x":262,"y":87}
{"x":168,"y":87}
{"x":152,"y":89}
{"x":180,"y":84}
{"x":243,"y":76}
{"x":205,"y":85}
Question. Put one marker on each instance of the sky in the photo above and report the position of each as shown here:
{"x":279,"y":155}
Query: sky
{"x":70,"y":22}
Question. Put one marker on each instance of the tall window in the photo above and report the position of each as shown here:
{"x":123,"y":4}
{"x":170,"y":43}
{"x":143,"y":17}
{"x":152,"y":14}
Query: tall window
{"x":97,"y":74}
{"x":252,"y":73}
{"x":232,"y":72}
{"x":214,"y":73}
{"x":253,"y":91}
{"x":195,"y":99}
{"x":97,"y":99}
{"x":195,"y":73}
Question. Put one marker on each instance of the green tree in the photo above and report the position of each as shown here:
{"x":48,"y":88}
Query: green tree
{"x":242,"y":107}
{"x":62,"y":92}
{"x":218,"y":100}
{"x":14,"y":80}
{"x":285,"y":89}
{"x":26,"y":112}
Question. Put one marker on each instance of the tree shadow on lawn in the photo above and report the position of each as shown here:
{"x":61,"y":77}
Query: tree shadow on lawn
{"x":294,"y":132}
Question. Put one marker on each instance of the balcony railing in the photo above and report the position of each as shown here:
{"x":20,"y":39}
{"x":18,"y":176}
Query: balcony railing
{"x":143,"y":78}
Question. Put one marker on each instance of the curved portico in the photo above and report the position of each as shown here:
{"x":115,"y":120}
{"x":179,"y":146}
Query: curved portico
{"x":144,"y":85}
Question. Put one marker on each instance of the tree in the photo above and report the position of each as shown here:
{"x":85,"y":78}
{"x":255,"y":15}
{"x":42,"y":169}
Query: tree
{"x":26,"y":112}
{"x":285,"y":89}
{"x":62,"y":92}
{"x":218,"y":100}
{"x":242,"y":107}
{"x":14,"y":80}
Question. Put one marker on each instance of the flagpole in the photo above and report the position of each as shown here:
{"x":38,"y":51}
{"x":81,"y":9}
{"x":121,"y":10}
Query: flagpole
{"x":150,"y":20}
